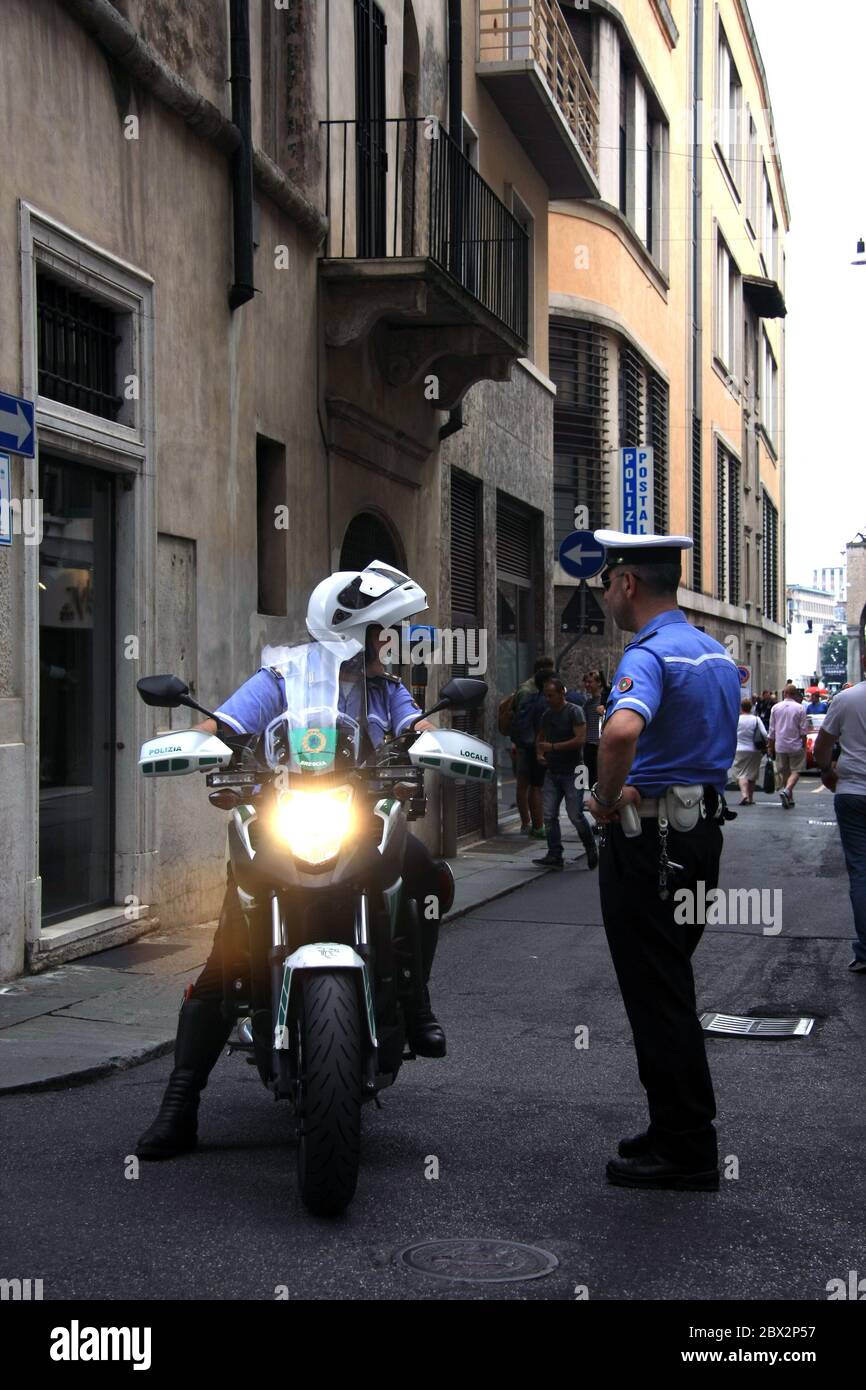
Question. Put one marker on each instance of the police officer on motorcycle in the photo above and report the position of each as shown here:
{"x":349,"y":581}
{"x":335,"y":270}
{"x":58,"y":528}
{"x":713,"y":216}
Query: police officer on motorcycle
{"x":348,"y":607}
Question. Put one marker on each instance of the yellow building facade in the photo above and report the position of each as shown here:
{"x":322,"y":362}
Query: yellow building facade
{"x":667,"y":319}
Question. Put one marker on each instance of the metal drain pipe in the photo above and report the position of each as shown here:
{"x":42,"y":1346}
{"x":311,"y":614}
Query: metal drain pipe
{"x":455,"y":130}
{"x":242,"y":158}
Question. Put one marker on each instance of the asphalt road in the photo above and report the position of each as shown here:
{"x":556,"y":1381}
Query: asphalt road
{"x":520,"y":1121}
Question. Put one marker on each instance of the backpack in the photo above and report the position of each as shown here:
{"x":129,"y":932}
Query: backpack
{"x":528,"y":710}
{"x":505,"y":714}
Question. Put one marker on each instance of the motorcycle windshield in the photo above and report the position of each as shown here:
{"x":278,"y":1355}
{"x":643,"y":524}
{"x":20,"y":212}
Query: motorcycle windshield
{"x":319,"y":731}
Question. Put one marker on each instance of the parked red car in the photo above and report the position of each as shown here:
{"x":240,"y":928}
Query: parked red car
{"x":815,"y":722}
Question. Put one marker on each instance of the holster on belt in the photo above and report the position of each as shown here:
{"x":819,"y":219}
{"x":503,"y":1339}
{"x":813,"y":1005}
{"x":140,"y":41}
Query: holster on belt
{"x":683,"y":806}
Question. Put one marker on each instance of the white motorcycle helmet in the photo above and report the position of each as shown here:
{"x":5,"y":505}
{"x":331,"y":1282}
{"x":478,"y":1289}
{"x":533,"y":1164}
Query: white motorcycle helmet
{"x":343,"y":606}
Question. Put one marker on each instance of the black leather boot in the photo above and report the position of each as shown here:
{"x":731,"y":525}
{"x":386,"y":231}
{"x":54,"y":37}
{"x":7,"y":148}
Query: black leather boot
{"x":425,"y":1034}
{"x":201,"y":1035}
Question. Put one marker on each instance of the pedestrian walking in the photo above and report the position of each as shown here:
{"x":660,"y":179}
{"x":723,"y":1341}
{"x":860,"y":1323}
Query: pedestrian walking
{"x":593,"y":710}
{"x":751,"y":746}
{"x":845,"y":724}
{"x":762,"y":706}
{"x":526,"y":710}
{"x":789,"y":725}
{"x":559,"y":743}
{"x":667,"y":742}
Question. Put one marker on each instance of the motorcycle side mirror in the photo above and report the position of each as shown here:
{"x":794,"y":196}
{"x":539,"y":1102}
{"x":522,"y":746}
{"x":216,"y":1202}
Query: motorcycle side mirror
{"x":461,"y":692}
{"x":164,"y":692}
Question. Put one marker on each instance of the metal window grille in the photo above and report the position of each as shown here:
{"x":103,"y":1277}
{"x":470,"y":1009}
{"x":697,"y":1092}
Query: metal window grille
{"x":734,"y":530}
{"x":465,"y":548}
{"x":697,"y":506}
{"x":721,"y":524}
{"x":658,"y":433}
{"x":578,"y":367}
{"x":770,"y":595}
{"x":728,"y":526}
{"x":631,"y":397}
{"x":77,"y":341}
{"x":513,"y":541}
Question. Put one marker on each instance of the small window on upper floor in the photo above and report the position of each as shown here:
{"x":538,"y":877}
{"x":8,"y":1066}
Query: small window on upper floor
{"x":729,"y":106}
{"x":728,"y":301}
{"x":769,"y":232}
{"x":752,"y":173}
{"x":769,"y":393}
{"x":626,"y":142}
{"x":643,"y":166}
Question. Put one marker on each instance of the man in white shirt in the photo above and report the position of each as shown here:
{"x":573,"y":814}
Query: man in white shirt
{"x":845,"y":723}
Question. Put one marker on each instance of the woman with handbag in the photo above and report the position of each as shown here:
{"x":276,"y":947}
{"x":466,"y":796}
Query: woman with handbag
{"x":751,"y":746}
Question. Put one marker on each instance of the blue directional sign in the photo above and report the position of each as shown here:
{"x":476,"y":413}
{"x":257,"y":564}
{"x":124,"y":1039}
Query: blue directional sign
{"x":581,"y":555}
{"x":16,"y":425}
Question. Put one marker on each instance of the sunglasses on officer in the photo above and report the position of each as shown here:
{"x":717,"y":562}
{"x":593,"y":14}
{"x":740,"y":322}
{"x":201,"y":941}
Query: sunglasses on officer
{"x":608,"y":575}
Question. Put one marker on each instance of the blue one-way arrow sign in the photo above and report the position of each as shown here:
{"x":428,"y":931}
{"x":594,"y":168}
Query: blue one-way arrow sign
{"x":581,"y":555}
{"x":16,"y":425}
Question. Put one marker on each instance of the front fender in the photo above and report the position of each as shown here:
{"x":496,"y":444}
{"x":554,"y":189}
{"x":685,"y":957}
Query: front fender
{"x":322,"y":956}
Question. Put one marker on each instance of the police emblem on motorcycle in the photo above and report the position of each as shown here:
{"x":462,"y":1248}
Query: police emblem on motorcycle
{"x":625,"y":684}
{"x":314,"y":747}
{"x":314,"y":741}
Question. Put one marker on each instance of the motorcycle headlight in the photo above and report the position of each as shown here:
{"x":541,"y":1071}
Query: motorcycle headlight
{"x":313,"y":824}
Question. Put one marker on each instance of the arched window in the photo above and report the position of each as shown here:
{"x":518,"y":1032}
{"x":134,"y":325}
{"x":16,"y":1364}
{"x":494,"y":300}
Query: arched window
{"x":368,"y":538}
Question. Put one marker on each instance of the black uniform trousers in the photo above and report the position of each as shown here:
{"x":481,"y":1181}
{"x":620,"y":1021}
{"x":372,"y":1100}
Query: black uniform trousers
{"x":420,"y":879}
{"x":652,"y":954}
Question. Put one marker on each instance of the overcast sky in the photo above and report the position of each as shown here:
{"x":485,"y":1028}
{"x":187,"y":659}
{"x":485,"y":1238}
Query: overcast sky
{"x":814,"y":58}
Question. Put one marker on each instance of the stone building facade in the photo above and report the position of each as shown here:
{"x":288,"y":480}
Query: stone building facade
{"x":667,"y":319}
{"x":251,"y":274}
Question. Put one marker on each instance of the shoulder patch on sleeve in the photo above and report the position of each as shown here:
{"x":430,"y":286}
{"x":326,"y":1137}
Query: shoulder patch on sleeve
{"x":624,"y":684}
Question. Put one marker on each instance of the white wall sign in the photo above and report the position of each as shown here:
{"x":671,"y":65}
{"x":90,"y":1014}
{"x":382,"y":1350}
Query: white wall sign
{"x":5,"y":500}
{"x":636,"y":491}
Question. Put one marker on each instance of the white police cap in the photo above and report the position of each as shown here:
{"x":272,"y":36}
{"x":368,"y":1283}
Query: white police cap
{"x":625,"y":549}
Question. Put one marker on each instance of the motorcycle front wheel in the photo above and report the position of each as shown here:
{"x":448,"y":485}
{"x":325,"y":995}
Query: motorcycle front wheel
{"x":328,"y":1072}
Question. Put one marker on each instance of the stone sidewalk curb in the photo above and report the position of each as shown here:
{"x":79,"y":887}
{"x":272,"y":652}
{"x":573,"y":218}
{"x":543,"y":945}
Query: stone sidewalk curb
{"x":136,"y":1055}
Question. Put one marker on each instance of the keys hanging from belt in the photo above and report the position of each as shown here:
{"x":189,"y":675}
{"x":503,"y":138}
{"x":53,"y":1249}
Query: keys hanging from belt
{"x":666,"y":865}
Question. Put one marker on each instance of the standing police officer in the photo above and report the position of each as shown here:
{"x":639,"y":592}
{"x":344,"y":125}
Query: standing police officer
{"x":668,"y":740}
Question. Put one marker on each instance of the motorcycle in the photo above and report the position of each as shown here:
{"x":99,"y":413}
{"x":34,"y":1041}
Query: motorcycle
{"x":328,"y":963}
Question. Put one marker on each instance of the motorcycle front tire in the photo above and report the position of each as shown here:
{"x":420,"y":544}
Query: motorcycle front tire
{"x":329,"y":1062}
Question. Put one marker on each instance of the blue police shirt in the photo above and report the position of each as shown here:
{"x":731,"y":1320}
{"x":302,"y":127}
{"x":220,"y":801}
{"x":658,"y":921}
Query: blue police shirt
{"x":251,"y":708}
{"x":687,"y":688}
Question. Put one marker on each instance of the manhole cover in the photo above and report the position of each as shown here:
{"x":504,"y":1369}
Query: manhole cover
{"x":478,"y":1261}
{"x":736,"y":1025}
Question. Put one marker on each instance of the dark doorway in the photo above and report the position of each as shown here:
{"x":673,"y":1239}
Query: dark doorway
{"x":76,"y":689}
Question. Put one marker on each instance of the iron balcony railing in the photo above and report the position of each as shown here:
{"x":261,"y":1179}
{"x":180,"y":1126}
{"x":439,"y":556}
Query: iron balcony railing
{"x":402,"y":188}
{"x":535,"y":31}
